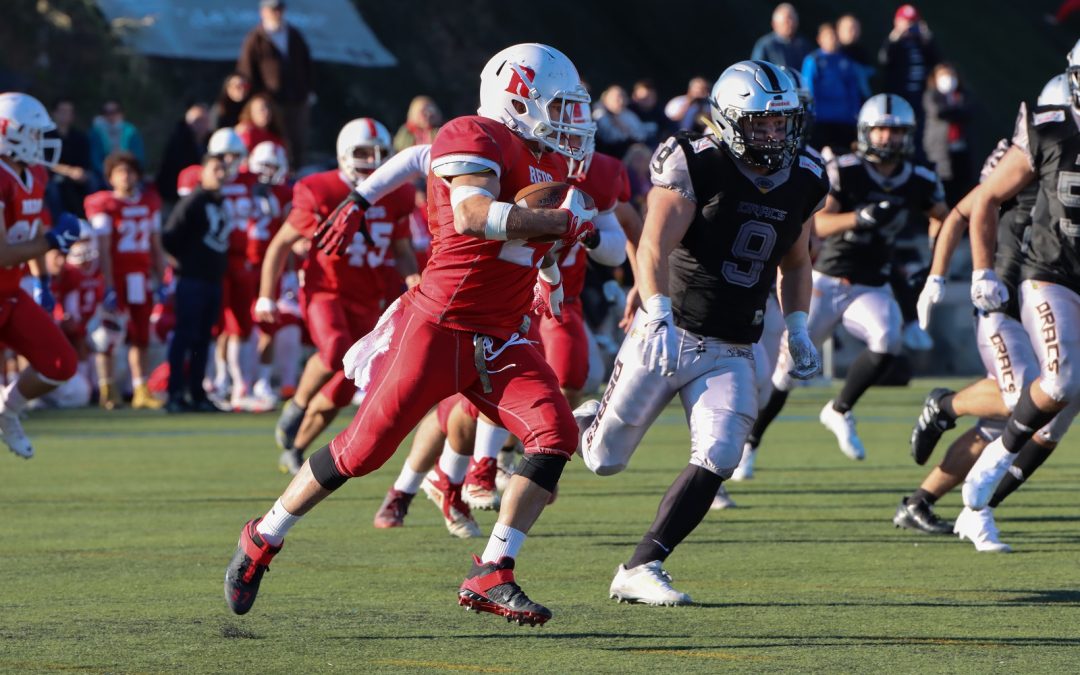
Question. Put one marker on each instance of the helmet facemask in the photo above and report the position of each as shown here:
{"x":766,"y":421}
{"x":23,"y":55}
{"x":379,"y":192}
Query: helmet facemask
{"x":356,"y":167}
{"x":767,"y":139}
{"x":554,"y":122}
{"x":582,"y":118}
{"x":894,"y":150}
{"x":1072,"y":73}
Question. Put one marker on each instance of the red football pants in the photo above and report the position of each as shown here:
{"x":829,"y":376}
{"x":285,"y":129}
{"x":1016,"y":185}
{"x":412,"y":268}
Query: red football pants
{"x":566,"y":346}
{"x":426,"y":363}
{"x":29,"y":330}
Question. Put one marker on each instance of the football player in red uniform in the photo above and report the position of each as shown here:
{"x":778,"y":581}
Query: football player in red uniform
{"x":127,"y":223}
{"x":461,"y":329}
{"x":272,"y":196}
{"x":342,"y":294}
{"x":25,"y":327}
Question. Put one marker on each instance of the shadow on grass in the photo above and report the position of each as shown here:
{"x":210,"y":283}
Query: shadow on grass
{"x":767,"y":641}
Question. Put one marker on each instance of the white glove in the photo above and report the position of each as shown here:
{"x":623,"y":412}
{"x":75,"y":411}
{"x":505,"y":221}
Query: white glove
{"x":987,"y":291}
{"x":265,"y":309}
{"x":933,"y":292}
{"x":805,"y":363}
{"x":660,"y":353}
{"x":548,"y":296}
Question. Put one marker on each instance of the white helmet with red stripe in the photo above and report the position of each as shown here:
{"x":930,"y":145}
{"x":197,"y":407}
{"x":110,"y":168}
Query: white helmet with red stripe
{"x":363,"y":133}
{"x":225,"y":141}
{"x":269,"y":162}
{"x":536,"y":91}
{"x":23,"y":125}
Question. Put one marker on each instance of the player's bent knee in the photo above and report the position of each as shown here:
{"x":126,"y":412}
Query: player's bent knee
{"x":60,"y":368}
{"x":1060,"y":388}
{"x":324,"y":469}
{"x":544,"y":469}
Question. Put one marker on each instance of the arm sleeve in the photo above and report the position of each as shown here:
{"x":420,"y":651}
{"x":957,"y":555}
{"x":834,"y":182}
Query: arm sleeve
{"x":612,"y":248}
{"x":404,"y":167}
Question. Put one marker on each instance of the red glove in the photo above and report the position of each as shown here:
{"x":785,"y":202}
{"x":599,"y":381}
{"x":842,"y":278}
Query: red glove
{"x":579,"y":218}
{"x":548,"y":293}
{"x":334,"y":234}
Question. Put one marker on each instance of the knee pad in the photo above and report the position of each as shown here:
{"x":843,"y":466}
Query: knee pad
{"x":543,"y":469}
{"x":324,"y":470}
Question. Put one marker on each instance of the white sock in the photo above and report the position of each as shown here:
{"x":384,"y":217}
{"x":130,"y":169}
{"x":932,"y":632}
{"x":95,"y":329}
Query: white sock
{"x":137,"y":382}
{"x":408,"y":481}
{"x":236,"y":368}
{"x":489,"y":440}
{"x":505,"y":542}
{"x":453,"y":464}
{"x":13,"y":400}
{"x":287,"y":354}
{"x":276,"y":524}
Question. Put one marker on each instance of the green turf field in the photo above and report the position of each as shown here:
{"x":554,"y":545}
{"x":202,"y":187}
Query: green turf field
{"x":114,"y":539}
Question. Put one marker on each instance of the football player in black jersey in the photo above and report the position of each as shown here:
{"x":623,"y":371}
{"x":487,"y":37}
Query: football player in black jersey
{"x":873,"y":190}
{"x":728,"y":209}
{"x":1009,"y":360}
{"x":1045,"y":150}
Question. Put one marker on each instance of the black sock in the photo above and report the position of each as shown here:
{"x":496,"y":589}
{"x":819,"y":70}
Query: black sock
{"x":946,"y":405}
{"x":766,"y":415}
{"x":864,"y":371}
{"x":1025,"y":420}
{"x":682,"y":508}
{"x":922,"y":495}
{"x":1030,"y":458}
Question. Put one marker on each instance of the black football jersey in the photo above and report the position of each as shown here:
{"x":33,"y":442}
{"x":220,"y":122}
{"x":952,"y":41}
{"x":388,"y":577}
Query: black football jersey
{"x":721,"y":272}
{"x":1051,"y":138}
{"x":1014,"y":230}
{"x":865,"y":256}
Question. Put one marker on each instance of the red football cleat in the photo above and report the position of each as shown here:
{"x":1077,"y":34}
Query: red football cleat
{"x":479,"y":491}
{"x":490,"y":587}
{"x":393,"y":509}
{"x":245,"y":570}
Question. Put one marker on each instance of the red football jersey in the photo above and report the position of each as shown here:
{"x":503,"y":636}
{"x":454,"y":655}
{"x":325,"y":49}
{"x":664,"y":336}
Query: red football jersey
{"x":355,"y":276}
{"x":269,"y":214}
{"x":608,"y":183}
{"x":474,"y":284}
{"x":22,"y":205}
{"x":188,"y":179}
{"x":77,"y":293}
{"x":130,"y":224}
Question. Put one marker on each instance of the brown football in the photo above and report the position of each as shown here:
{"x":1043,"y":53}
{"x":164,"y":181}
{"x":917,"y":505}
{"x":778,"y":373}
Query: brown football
{"x":545,"y":196}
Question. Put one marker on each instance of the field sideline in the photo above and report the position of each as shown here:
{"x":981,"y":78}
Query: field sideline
{"x":115,"y":539}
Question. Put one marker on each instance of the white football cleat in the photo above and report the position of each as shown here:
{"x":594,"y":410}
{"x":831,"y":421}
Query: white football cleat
{"x":979,"y":528}
{"x":290,"y":462}
{"x":843,"y":427}
{"x":989,"y":469}
{"x":722,"y":500}
{"x":447,"y":496}
{"x":265,"y":393}
{"x":745,"y":470}
{"x":648,"y":584}
{"x":11,"y":432}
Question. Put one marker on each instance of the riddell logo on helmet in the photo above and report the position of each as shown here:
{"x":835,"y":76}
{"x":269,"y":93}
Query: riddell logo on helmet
{"x":519,"y":86}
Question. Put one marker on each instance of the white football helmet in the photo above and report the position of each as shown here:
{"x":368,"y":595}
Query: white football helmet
{"x":105,"y":330}
{"x":269,"y":162}
{"x":225,"y":141}
{"x":1056,"y":91}
{"x":1073,"y":72}
{"x":362,"y":133}
{"x":747,"y":92}
{"x":582,"y":116}
{"x":23,"y":125}
{"x":523,"y":85}
{"x":886,"y":110}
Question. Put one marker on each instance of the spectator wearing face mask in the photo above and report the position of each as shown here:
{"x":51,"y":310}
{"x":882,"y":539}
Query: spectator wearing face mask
{"x":948,"y":109}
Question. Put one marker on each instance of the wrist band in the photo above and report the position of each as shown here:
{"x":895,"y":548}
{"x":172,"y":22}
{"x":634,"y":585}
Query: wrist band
{"x":495,"y":227}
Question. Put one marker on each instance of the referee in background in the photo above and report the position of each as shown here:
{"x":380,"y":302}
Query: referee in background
{"x":196,"y":238}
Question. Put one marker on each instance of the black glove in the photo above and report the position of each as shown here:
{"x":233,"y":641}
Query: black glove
{"x":870,"y":216}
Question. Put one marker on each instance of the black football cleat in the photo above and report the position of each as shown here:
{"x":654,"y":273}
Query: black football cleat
{"x":490,"y":587}
{"x":920,"y":516}
{"x":288,"y":425}
{"x":245,"y":570}
{"x":932,"y":423}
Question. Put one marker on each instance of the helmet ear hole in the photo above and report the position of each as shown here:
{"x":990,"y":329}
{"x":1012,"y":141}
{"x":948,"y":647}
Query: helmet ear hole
{"x":519,"y":107}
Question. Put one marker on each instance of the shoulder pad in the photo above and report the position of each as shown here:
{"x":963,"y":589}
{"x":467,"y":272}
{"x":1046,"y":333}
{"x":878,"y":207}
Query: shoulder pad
{"x":462,"y":165}
{"x":926,"y":173}
{"x":815,"y":167}
{"x":1047,"y":115}
{"x":850,"y":159}
{"x":814,"y":154}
